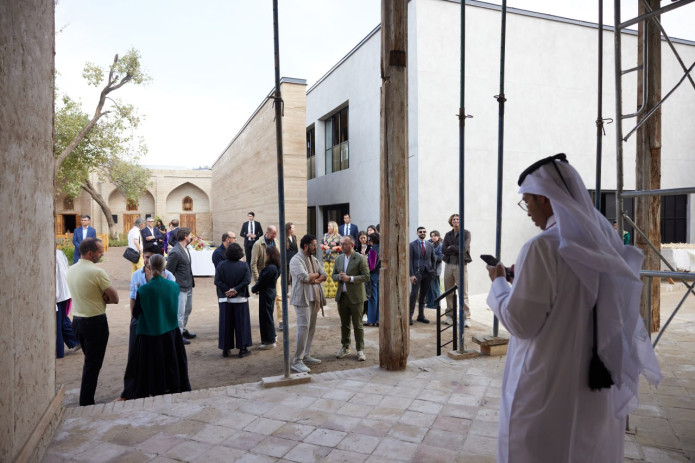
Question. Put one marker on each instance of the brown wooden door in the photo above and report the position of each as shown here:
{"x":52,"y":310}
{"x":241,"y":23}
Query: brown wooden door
{"x":188,"y":221}
{"x":59,"y":224}
{"x":128,"y":221}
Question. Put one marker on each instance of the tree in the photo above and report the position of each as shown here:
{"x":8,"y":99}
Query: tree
{"x":104,"y":143}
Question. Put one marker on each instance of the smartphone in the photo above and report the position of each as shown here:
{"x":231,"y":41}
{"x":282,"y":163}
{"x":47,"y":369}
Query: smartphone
{"x":492,"y":261}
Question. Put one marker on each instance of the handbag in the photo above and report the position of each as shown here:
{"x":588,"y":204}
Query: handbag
{"x":131,"y":255}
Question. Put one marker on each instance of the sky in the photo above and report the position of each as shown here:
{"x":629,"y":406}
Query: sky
{"x":211,"y":63}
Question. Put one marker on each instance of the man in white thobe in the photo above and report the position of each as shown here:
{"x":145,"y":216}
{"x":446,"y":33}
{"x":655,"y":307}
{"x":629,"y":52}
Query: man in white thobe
{"x":548,"y":411}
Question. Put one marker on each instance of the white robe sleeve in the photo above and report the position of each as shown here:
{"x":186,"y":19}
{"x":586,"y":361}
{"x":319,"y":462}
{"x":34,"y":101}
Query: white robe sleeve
{"x":524,"y":307}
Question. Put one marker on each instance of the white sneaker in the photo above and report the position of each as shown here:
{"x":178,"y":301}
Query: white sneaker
{"x":309,"y":360}
{"x":448,"y":321}
{"x":299,"y":367}
{"x":267,"y":346}
{"x":467,"y":324}
{"x":342,"y":353}
{"x":360,"y":356}
{"x":364,"y":318}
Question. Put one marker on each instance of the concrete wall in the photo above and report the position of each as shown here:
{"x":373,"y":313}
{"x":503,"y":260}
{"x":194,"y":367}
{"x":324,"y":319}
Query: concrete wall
{"x":29,"y":405}
{"x":244,"y":177}
{"x":551,"y":93}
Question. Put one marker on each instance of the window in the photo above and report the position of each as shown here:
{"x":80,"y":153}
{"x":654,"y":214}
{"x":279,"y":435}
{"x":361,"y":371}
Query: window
{"x":337,"y":142}
{"x":68,"y":204}
{"x":334,"y":213}
{"x":311,"y":221}
{"x":607,"y":208}
{"x":131,"y":205}
{"x":310,"y":153}
{"x":674,"y":219}
{"x":187,"y":203}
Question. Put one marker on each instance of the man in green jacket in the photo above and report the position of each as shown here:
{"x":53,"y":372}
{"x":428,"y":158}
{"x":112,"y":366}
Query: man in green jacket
{"x":351,"y":271}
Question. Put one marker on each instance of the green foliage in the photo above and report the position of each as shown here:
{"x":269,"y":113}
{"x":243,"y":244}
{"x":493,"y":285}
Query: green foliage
{"x":121,"y":241}
{"x":69,"y":251}
{"x":110,"y":149}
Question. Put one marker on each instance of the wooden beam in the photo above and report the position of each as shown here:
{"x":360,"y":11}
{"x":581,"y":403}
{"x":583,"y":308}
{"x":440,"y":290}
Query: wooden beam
{"x":648,"y":158}
{"x":394,"y":334}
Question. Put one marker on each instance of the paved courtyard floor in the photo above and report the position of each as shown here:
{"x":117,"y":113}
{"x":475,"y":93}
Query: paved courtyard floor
{"x":437,"y":410}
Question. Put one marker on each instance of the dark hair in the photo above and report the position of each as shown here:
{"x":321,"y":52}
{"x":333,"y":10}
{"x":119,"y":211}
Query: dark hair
{"x":159,"y":221}
{"x":157,"y":263}
{"x":421,"y":228}
{"x":347,"y":213}
{"x":362,"y":233}
{"x":86,"y":216}
{"x":372,"y":227}
{"x":306,"y":240}
{"x":225,"y":235}
{"x":182,"y":233}
{"x":89,"y":244}
{"x":435,"y":233}
{"x":175,"y":222}
{"x":377,"y":228}
{"x":451,"y":217}
{"x":288,"y":227}
{"x":374,"y":238}
{"x":272,"y":256}
{"x":234,"y":252}
{"x":251,"y":213}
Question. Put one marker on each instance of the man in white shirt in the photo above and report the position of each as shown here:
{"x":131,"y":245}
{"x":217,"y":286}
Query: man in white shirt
{"x":134,"y":241}
{"x":349,"y":229}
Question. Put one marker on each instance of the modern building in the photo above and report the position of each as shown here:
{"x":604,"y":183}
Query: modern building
{"x":551,"y":92}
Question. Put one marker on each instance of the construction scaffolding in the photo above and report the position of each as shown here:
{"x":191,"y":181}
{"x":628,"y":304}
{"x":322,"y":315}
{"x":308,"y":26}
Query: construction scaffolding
{"x":652,"y":32}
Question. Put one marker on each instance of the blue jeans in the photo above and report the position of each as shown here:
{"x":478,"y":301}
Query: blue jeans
{"x":433,"y":293}
{"x":373,"y":303}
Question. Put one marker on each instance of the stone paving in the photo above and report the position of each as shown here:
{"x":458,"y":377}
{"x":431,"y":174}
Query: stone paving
{"x":437,"y":410}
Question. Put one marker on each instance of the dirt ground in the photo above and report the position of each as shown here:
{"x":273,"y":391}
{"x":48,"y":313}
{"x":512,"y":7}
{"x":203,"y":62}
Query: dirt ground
{"x":206,"y":366}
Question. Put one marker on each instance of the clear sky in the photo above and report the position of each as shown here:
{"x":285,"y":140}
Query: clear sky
{"x":212,"y":63}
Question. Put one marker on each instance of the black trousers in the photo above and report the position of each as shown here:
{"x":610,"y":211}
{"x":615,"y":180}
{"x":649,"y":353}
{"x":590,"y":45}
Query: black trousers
{"x":128,"y":377}
{"x":248,"y":247}
{"x":418,"y":291}
{"x":93,"y":335}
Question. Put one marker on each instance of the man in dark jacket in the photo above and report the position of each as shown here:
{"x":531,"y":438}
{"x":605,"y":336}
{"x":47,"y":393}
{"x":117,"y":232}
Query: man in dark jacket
{"x":179,"y":263}
{"x":450,"y":249}
{"x":423,"y":266}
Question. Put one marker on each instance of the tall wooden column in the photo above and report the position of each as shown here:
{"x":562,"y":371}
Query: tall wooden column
{"x":394,"y":335}
{"x":648,"y":162}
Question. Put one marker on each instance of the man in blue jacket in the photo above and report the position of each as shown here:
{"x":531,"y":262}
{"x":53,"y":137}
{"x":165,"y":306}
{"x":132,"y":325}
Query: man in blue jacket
{"x":85,"y":231}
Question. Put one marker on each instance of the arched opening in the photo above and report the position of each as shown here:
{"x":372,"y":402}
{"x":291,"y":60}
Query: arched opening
{"x":187,"y":204}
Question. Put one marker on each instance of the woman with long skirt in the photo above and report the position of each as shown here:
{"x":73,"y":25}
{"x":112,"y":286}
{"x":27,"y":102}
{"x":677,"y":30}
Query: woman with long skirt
{"x":266,"y":288}
{"x":232,"y":278}
{"x":158,"y":362}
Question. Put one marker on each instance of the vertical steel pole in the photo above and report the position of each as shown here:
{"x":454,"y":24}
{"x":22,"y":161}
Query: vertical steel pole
{"x":277,"y":101}
{"x":599,"y":117}
{"x":618,"y":117}
{"x":462,"y":124}
{"x":500,"y":148}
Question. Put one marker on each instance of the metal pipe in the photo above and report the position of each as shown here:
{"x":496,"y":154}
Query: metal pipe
{"x":668,"y":40}
{"x":664,"y":192}
{"x":645,"y":87}
{"x":500,"y":147}
{"x":599,"y":116}
{"x":462,"y":169}
{"x":664,"y":274}
{"x":648,"y":321}
{"x":650,"y":14}
{"x":658,"y":105}
{"x":277,"y":101}
{"x":617,"y":53}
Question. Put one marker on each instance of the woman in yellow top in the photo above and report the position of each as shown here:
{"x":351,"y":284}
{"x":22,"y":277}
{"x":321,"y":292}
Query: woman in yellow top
{"x":330,"y":245}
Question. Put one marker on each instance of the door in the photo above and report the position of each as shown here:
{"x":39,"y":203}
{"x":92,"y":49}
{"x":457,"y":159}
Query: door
{"x":59,"y":224}
{"x":188,"y":221}
{"x":128,"y":221}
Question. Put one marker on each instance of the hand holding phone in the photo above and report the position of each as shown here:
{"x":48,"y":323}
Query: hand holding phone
{"x":492,"y":262}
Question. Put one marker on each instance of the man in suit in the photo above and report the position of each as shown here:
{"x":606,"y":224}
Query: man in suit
{"x":172,"y":236}
{"x":218,"y":255}
{"x":351,"y":271}
{"x":179,"y":263}
{"x":423,"y":266}
{"x":349,"y":229}
{"x":152,"y":237}
{"x":85,"y":231}
{"x":250,"y":231}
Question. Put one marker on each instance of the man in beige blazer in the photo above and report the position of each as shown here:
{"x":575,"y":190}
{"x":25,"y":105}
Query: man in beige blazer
{"x":351,"y":272}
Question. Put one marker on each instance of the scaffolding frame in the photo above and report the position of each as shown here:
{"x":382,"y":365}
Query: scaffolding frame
{"x":649,"y":17}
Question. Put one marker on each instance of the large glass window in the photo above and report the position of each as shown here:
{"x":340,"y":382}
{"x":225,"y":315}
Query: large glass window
{"x":674,"y":219}
{"x":337,"y":157}
{"x":310,"y":153}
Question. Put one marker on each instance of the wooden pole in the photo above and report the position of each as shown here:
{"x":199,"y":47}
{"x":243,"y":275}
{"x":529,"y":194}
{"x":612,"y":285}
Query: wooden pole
{"x":648,"y":165}
{"x":394,"y":334}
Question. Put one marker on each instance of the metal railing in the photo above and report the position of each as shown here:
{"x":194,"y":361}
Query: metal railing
{"x":454,"y":316}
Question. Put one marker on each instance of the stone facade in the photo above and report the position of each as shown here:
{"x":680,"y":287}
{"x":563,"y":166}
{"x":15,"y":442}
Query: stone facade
{"x":30,"y":406}
{"x":245,"y":178}
{"x":182,"y":194}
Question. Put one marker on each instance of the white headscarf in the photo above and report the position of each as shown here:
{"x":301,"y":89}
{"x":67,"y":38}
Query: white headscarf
{"x":609,"y":270}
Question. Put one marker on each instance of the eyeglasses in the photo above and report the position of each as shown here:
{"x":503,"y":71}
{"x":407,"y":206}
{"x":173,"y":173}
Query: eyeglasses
{"x":523,"y":205}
